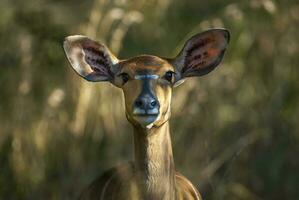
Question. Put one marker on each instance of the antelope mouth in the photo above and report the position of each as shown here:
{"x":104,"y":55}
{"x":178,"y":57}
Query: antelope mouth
{"x":146,"y":118}
{"x":145,"y":113}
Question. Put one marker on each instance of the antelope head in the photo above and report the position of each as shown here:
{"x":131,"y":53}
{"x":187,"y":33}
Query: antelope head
{"x":147,"y":81}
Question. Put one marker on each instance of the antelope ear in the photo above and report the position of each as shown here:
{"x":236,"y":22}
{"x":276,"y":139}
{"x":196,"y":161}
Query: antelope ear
{"x":201,"y":53}
{"x":90,"y":59}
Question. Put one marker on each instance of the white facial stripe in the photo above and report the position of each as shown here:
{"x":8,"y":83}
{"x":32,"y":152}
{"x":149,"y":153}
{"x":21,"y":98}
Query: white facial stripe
{"x":146,"y":76}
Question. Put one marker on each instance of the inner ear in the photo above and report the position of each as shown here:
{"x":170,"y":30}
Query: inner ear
{"x":90,"y":59}
{"x":99,"y":64}
{"x":201,"y":53}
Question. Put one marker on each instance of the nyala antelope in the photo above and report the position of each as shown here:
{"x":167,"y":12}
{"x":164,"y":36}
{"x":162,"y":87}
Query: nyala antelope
{"x":147,"y":82}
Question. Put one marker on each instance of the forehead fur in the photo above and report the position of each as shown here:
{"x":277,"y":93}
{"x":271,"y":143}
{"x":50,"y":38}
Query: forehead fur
{"x":145,"y":62}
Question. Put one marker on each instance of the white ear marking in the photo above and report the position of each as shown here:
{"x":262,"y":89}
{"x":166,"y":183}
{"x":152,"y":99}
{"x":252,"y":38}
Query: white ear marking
{"x":179,"y":82}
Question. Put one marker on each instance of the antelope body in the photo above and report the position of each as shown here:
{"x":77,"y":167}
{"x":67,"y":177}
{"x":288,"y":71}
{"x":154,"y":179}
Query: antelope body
{"x":147,"y":82}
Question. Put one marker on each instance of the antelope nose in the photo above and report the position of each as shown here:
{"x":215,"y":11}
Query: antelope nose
{"x":147,"y":104}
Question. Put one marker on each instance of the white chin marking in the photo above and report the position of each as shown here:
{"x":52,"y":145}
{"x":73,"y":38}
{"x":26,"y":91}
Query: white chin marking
{"x":150,"y":126}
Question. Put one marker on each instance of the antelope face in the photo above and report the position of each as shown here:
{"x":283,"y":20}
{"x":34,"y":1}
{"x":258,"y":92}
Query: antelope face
{"x":147,"y":81}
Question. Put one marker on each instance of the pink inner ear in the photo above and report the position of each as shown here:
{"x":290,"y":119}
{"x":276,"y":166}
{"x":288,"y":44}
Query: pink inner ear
{"x":97,"y":61}
{"x":199,"y":44}
{"x":212,"y":52}
{"x":200,"y":53}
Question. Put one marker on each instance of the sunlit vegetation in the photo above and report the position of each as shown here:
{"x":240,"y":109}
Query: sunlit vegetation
{"x":235,"y":131}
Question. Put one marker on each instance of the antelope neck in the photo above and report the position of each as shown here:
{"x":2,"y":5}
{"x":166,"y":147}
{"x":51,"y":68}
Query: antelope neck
{"x":154,"y":162}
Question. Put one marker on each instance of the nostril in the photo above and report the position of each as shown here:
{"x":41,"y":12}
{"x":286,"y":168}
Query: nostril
{"x":153,"y":103}
{"x":138,"y":103}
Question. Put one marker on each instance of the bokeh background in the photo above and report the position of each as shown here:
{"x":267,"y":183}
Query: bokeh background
{"x":235,"y":131}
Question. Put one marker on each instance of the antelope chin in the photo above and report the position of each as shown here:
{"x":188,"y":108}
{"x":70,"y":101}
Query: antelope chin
{"x":147,"y":120}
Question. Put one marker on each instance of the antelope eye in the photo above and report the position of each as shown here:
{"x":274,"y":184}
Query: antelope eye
{"x":125,"y":77}
{"x":169,"y":76}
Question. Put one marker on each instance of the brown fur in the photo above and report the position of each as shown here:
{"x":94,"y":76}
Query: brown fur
{"x":152,"y":175}
{"x":117,"y":183}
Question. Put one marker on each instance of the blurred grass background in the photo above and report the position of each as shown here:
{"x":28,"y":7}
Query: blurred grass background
{"x":235,"y":131}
